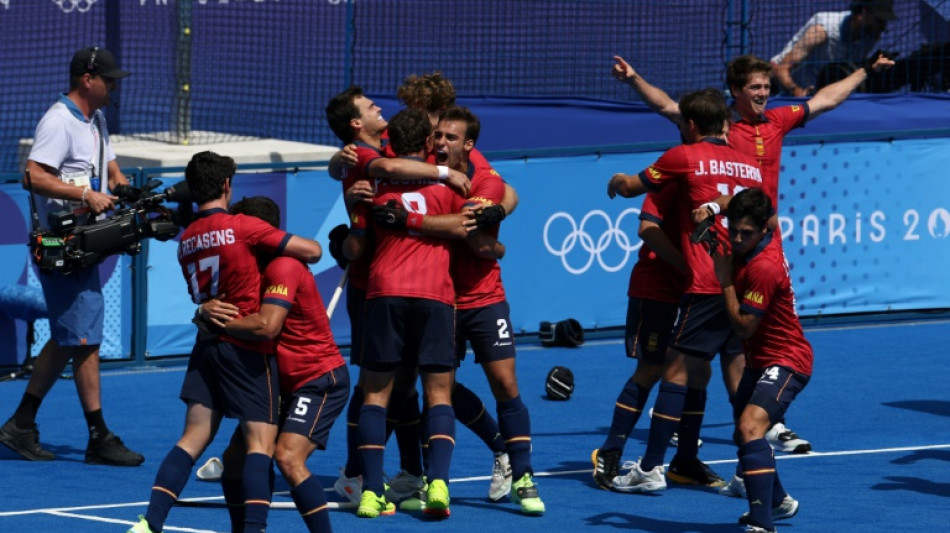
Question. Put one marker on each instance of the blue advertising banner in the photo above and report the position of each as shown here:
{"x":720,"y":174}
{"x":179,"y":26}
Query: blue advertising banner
{"x":865,"y":229}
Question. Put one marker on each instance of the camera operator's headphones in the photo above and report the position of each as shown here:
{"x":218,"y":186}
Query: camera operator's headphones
{"x":91,"y":67}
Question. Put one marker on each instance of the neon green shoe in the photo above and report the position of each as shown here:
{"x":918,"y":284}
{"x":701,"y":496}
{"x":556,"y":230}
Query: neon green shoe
{"x":140,"y":527}
{"x":437,"y":499}
{"x":417,"y":502}
{"x":525,"y":492}
{"x":372,"y":506}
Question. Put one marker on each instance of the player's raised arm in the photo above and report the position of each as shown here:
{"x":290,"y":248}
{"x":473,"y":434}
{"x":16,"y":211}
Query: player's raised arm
{"x":831,"y":96}
{"x":653,"y":96}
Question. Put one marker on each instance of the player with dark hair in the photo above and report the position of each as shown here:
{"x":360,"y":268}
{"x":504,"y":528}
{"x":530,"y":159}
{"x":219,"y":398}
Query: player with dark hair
{"x":409,"y":307}
{"x":757,"y":132}
{"x":218,"y":253}
{"x":314,"y":381}
{"x":653,"y":295}
{"x":701,"y":168}
{"x":778,"y":357}
{"x":359,"y":123}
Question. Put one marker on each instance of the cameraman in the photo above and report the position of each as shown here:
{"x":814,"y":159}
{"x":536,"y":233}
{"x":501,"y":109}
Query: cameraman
{"x":72,"y":167}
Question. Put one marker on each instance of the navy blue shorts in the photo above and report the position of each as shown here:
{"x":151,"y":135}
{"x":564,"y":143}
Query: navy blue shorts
{"x":76,"y":306}
{"x":702,"y":328}
{"x":355,"y":307}
{"x":488,"y":330}
{"x":234,"y":381}
{"x":408,"y":332}
{"x":312,"y":409}
{"x":649,"y":325}
{"x":772,"y":389}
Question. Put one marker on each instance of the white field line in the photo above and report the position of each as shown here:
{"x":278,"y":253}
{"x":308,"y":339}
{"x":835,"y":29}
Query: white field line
{"x":67,"y":511}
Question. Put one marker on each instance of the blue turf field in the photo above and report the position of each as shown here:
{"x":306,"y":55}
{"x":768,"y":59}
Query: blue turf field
{"x":877,"y":412}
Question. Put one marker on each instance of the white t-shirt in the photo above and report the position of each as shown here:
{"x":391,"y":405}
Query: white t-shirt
{"x":68,"y":142}
{"x":838,"y":47}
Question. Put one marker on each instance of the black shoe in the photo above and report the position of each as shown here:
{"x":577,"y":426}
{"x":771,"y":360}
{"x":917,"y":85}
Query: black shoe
{"x":110,"y":451}
{"x":693,"y":472}
{"x":606,"y":467}
{"x":25,"y":442}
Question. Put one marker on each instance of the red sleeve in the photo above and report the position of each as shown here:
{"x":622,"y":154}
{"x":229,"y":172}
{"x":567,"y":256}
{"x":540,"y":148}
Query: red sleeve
{"x":476,"y":159}
{"x":487,"y":187}
{"x":670,"y":167}
{"x":788,"y":117}
{"x":280,"y":282}
{"x":658,"y":202}
{"x":262,"y":236}
{"x":760,"y":283}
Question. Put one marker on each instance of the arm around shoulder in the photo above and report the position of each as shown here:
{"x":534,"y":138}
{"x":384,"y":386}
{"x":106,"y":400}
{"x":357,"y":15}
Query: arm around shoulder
{"x":307,"y":250}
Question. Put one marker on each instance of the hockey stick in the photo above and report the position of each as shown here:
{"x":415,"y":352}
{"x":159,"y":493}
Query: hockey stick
{"x":338,"y":292}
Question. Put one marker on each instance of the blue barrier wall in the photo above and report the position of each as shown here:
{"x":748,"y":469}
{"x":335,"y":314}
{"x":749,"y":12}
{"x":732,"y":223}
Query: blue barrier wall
{"x":866,"y":228}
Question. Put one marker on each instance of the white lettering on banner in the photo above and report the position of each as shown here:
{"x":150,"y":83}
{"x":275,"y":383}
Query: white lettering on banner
{"x":578,"y":235}
{"x":5,"y":4}
{"x":837,"y":228}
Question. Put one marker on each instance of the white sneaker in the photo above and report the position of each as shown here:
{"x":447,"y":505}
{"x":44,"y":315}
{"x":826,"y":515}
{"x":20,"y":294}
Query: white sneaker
{"x":500,"y":478}
{"x":757,"y":529}
{"x":402,"y":486}
{"x":785,"y":510}
{"x":639,"y":481}
{"x":785,"y":440}
{"x":735,"y":488}
{"x":350,"y":488}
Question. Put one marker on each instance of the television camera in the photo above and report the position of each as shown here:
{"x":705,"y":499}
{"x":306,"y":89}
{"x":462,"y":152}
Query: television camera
{"x":140,"y":214}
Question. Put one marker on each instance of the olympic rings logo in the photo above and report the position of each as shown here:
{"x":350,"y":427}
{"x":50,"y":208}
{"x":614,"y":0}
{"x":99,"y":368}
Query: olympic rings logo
{"x":68,"y":6}
{"x":579,"y":236}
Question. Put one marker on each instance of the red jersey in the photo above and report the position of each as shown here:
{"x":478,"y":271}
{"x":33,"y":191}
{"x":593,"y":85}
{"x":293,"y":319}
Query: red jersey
{"x":305,"y":347}
{"x":704,"y":170}
{"x":653,"y":278}
{"x":763,"y":141}
{"x":477,"y":279}
{"x":365,"y":154}
{"x":218,"y":255}
{"x":765,"y":290}
{"x":408,"y":264}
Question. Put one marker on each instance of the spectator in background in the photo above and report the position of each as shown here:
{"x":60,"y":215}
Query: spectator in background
{"x":843,"y":39}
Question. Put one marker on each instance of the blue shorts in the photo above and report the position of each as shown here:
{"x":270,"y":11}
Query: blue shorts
{"x":772,"y":389}
{"x":488,"y":330}
{"x":312,"y":409}
{"x":649,"y":324}
{"x":75,"y":305}
{"x":234,"y":381}
{"x":355,"y":307}
{"x":408,"y":332}
{"x":702,"y":328}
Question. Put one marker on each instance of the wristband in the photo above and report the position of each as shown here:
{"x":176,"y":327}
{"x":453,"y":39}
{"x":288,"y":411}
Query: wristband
{"x":443,"y":172}
{"x":712,"y":206}
{"x":414,"y":220}
{"x":84,"y":191}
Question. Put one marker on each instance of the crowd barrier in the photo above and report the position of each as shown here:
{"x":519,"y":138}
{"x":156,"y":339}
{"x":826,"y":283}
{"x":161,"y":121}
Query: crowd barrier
{"x":865,"y":227}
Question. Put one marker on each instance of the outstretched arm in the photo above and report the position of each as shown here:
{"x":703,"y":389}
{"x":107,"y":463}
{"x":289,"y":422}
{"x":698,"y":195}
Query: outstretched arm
{"x":653,"y":96}
{"x":831,"y":96}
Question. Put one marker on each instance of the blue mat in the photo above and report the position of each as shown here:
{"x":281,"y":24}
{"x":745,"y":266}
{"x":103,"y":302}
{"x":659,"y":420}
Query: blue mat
{"x":875,"y":412}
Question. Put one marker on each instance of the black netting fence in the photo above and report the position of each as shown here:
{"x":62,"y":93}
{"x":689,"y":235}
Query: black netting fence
{"x":214,"y":70}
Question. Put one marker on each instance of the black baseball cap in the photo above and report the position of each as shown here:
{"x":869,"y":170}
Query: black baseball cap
{"x":882,"y":9}
{"x":98,"y":61}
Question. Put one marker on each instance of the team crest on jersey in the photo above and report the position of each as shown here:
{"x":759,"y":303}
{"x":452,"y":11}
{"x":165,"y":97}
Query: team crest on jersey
{"x":493,"y":173}
{"x":754,"y":297}
{"x":796,"y":108}
{"x":654,"y":174}
{"x":276,"y":289}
